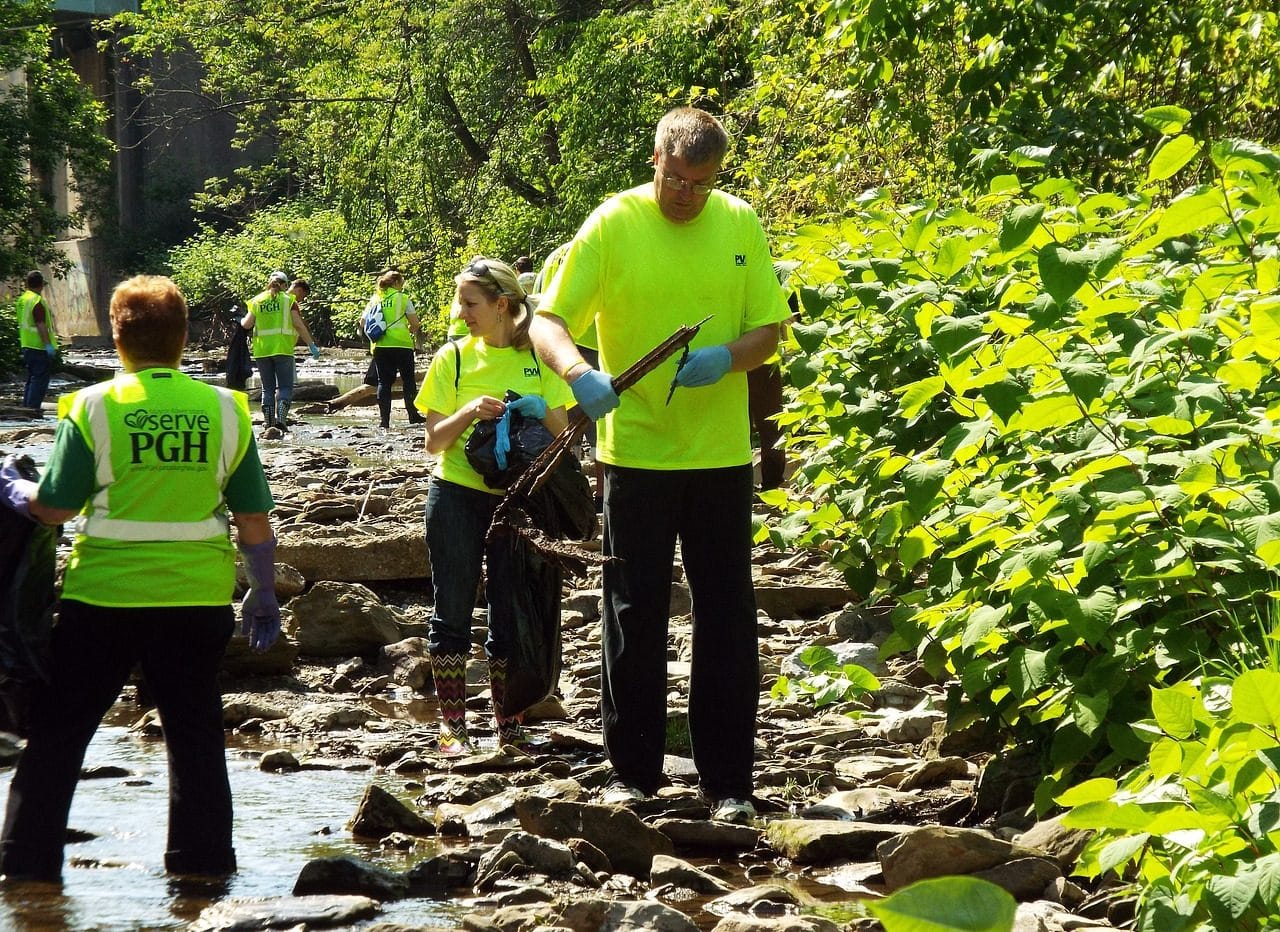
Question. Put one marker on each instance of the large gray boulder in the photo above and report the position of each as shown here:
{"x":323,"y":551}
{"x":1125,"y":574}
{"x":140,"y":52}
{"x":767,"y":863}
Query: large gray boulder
{"x":339,"y":619}
{"x":346,"y":554}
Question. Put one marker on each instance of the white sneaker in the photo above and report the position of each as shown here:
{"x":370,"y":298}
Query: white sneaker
{"x":620,"y":794}
{"x":737,"y":811}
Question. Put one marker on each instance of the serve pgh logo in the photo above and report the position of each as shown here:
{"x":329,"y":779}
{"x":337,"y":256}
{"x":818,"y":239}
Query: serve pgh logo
{"x":170,"y":437}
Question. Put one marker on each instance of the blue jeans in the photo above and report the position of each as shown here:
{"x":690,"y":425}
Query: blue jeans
{"x":709,"y":512}
{"x":276,"y":371}
{"x":39,"y":369}
{"x":457,"y":520}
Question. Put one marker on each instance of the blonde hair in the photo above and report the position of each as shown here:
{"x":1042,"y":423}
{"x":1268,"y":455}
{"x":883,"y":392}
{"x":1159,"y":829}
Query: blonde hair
{"x":501,"y":281}
{"x":149,"y":318}
{"x":692,"y":135}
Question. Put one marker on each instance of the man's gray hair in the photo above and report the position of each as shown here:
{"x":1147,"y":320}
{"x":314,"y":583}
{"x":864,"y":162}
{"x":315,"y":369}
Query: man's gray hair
{"x":692,"y":135}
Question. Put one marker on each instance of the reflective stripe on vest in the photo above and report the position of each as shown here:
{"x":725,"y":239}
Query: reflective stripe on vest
{"x":95,"y":420}
{"x":273,"y":331}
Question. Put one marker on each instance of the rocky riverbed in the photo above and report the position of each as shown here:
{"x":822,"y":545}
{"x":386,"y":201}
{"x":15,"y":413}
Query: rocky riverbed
{"x":856,"y":799}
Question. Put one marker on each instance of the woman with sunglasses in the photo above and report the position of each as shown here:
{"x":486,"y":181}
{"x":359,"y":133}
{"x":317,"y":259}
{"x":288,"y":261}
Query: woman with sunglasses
{"x":464,"y":385}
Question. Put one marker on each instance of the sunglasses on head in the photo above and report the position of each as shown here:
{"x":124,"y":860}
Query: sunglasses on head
{"x":479,"y":268}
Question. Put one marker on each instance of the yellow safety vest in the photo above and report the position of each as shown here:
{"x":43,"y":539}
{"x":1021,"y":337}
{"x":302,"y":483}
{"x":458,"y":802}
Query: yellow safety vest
{"x":273,"y":332}
{"x":28,"y":335}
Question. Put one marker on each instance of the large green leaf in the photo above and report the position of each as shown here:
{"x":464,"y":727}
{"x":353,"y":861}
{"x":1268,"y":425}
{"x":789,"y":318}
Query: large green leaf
{"x":947,"y":904}
{"x":1166,"y":119}
{"x":1255,"y":698}
{"x":1243,"y":155}
{"x":1172,"y":156}
{"x":1018,"y":225}
{"x":1174,"y":711}
{"x":1063,"y":270}
{"x":922,"y":482}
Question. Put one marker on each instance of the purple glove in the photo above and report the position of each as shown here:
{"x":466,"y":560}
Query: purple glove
{"x":260,"y":612}
{"x":16,"y":491}
{"x":534,"y":406}
{"x":704,"y":366}
{"x":594,"y":392}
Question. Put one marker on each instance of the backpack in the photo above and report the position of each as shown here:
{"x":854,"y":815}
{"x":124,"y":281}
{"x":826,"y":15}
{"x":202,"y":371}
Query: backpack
{"x":373,"y":323}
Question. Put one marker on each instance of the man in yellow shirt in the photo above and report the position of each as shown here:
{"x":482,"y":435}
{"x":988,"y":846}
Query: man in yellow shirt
{"x":648,"y":260}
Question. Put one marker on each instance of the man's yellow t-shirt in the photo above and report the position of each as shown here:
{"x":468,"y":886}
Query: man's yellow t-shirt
{"x":638,"y":277}
{"x":480,"y":369}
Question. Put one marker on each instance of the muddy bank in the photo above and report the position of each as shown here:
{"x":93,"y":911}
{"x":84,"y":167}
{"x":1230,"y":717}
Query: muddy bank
{"x":856,"y":798}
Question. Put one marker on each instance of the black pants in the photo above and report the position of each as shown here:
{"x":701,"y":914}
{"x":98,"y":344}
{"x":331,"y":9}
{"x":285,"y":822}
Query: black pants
{"x":391,"y":361}
{"x":764,"y":401}
{"x":94,"y":650}
{"x":709,"y":511}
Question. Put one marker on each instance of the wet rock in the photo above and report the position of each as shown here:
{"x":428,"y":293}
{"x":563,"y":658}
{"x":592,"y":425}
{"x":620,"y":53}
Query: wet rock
{"x":282,"y":912}
{"x":104,"y":772}
{"x":461,"y":790}
{"x":350,"y":875}
{"x":277,"y":660}
{"x":799,"y":600}
{"x":407,"y":663}
{"x":807,"y":841}
{"x":436,"y":876}
{"x":238,"y":708}
{"x":775,"y":924}
{"x":910,"y":727}
{"x":668,"y":870}
{"x":867,"y":623}
{"x":872,"y":767}
{"x":587,"y":853}
{"x":1024,"y":878}
{"x":933,"y":851}
{"x":278,"y":760}
{"x":1053,"y":839}
{"x":339,"y":619}
{"x":289,"y":582}
{"x":701,"y":835}
{"x":865,"y":804}
{"x":540,"y":854}
{"x":759,"y":900}
{"x":503,"y":807}
{"x":380,"y":813}
{"x":628,"y":843}
{"x":935,"y":772}
{"x":345,"y":555}
{"x":329,"y":716}
{"x":587,"y":915}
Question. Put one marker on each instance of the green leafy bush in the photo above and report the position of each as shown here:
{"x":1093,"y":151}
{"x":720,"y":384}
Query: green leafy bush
{"x":1043,"y":420}
{"x":1195,"y":828}
{"x":827,"y":681}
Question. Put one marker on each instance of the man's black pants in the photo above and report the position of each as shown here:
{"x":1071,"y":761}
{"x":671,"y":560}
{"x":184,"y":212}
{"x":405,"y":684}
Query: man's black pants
{"x":94,"y":649}
{"x":709,"y":511}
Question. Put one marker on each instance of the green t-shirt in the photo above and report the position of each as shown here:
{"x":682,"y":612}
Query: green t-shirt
{"x":638,"y":276}
{"x":485,"y":370}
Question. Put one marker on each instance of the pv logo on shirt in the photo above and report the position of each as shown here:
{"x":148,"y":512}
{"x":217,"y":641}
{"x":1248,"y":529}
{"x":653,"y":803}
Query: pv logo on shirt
{"x":532,"y":372}
{"x":739,"y":259}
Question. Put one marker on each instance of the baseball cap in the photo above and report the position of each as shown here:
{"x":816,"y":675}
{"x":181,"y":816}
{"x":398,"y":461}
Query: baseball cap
{"x":278,"y":277}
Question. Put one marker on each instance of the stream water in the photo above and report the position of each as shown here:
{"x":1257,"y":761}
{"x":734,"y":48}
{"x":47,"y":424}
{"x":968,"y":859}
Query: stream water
{"x":116,"y":880}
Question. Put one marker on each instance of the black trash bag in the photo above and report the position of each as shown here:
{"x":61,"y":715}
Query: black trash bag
{"x":528,"y":435}
{"x":533,"y":666}
{"x":563,"y":507}
{"x":239,"y":355}
{"x":28,"y":569}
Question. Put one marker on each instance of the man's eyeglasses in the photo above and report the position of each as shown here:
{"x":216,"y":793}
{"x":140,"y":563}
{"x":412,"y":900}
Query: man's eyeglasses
{"x":674,"y":183}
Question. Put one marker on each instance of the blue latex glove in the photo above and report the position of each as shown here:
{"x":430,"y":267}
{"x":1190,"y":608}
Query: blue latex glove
{"x":260,"y":611}
{"x":315,"y":351}
{"x":594,"y":392}
{"x":16,"y":491}
{"x":704,"y":366}
{"x":50,"y":350}
{"x":534,"y":406}
{"x":502,"y":439}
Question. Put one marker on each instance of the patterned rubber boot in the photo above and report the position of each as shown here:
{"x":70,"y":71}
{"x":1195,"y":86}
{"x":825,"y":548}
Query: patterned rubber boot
{"x":450,"y":674}
{"x":282,"y":415}
{"x":511,"y":731}
{"x":268,"y":417}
